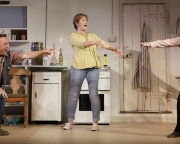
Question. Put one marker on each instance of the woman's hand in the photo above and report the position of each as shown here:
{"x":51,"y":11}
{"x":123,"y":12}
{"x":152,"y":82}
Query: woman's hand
{"x":3,"y":93}
{"x":98,"y":43}
{"x":119,"y":52}
{"x":116,"y":50}
{"x":94,"y":42}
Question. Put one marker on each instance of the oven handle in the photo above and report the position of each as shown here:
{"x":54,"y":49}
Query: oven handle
{"x":99,"y":91}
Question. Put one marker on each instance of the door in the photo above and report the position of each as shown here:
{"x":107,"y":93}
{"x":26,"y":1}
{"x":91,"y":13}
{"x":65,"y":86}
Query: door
{"x":154,"y":17}
{"x":45,"y":102}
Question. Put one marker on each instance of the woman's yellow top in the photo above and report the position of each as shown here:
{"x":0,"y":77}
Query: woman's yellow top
{"x":85,"y":57}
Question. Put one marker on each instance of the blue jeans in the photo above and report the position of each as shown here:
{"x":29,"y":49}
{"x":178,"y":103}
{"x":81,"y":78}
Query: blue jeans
{"x":2,"y":105}
{"x":77,"y":78}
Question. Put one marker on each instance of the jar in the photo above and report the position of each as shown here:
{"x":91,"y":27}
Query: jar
{"x":36,"y":46}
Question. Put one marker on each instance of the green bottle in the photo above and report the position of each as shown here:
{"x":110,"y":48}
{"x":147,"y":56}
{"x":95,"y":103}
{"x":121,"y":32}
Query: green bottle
{"x":60,"y":57}
{"x":105,"y":60}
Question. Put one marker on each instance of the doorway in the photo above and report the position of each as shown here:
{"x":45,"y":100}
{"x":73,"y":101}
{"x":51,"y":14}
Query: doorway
{"x":155,"y":18}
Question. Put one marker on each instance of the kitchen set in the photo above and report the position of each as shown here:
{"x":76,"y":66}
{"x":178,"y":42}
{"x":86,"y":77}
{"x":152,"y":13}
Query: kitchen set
{"x":49,"y":91}
{"x":50,"y":78}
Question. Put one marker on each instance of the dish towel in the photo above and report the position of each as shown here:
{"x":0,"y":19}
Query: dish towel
{"x":142,"y":77}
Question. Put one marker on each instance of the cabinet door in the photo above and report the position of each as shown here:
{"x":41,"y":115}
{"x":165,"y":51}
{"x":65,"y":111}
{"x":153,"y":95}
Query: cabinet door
{"x":13,"y":16}
{"x":46,"y":102}
{"x":14,"y":22}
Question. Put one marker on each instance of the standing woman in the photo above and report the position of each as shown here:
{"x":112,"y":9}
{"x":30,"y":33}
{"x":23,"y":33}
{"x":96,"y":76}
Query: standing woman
{"x":85,"y":64}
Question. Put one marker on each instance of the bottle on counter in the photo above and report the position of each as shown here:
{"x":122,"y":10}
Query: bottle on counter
{"x":45,"y":60}
{"x":53,"y":58}
{"x":60,"y":57}
{"x":105,"y":60}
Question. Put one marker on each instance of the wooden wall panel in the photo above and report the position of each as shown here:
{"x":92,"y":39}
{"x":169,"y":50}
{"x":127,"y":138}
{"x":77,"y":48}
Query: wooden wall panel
{"x":128,"y":39}
{"x":162,"y":55}
{"x":136,"y":34}
{"x":133,"y":18}
{"x":144,"y":19}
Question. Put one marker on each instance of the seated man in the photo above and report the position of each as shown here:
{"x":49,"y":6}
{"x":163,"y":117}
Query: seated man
{"x":6,"y":59}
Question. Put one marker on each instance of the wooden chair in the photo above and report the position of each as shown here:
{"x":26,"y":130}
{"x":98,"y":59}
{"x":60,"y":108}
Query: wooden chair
{"x":16,"y":84}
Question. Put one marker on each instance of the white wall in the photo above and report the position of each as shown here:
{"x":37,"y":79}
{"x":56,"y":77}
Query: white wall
{"x":60,"y":15}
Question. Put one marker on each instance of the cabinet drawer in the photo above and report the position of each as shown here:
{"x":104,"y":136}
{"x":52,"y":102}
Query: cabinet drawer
{"x":46,"y":78}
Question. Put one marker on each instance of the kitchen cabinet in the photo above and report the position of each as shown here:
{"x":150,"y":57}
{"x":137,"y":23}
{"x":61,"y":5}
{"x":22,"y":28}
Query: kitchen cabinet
{"x":14,"y":22}
{"x":46,"y":96}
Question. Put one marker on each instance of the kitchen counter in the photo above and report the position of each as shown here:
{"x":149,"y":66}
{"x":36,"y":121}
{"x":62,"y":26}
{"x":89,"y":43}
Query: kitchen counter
{"x":43,"y":68}
{"x":53,"y":81}
{"x":50,"y":68}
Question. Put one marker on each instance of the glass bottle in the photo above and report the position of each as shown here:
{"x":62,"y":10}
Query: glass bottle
{"x":53,"y":58}
{"x":40,"y":46}
{"x":45,"y":60}
{"x":105,"y":60}
{"x":60,"y":57}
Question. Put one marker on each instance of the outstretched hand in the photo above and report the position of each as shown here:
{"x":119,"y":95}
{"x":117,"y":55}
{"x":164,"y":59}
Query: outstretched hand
{"x":119,"y":52}
{"x":49,"y":51}
{"x":145,"y":44}
{"x":98,"y":43}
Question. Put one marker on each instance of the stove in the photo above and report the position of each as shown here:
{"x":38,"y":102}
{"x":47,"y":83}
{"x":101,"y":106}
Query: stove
{"x":83,"y":113}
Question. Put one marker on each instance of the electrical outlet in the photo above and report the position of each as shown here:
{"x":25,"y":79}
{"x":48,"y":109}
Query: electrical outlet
{"x":112,"y":39}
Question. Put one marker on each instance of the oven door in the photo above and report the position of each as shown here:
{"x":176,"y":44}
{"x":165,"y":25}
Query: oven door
{"x":83,"y":113}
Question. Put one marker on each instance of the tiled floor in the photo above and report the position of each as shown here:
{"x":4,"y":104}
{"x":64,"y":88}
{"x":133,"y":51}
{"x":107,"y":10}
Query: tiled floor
{"x":115,"y":133}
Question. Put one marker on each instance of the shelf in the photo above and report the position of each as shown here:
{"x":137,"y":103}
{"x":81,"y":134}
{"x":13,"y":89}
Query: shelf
{"x":18,"y":41}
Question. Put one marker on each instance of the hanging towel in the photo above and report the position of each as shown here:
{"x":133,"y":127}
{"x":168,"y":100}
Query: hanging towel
{"x":142,"y":77}
{"x":177,"y":27}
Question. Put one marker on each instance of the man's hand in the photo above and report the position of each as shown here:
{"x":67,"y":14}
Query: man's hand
{"x":145,"y":44}
{"x":3,"y":93}
{"x":49,"y":51}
